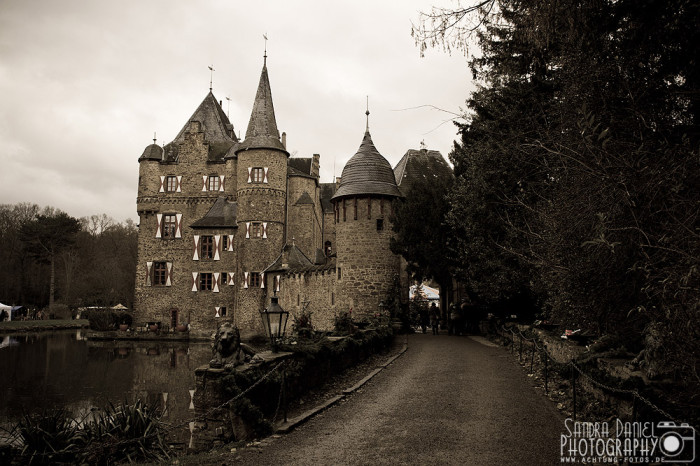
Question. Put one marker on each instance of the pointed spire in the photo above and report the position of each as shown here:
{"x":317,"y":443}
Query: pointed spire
{"x":262,"y":129}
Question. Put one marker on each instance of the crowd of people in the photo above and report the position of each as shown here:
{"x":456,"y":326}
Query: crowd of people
{"x":460,"y":319}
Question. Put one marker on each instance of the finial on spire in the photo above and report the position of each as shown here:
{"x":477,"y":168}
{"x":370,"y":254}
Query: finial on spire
{"x":228,"y":107}
{"x":265,"y":56}
{"x":211,"y":76}
{"x":367,"y":113}
{"x":422,"y":145}
{"x":154,"y":137}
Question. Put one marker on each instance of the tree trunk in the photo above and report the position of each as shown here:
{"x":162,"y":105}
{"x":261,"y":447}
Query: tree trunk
{"x":52,"y":285}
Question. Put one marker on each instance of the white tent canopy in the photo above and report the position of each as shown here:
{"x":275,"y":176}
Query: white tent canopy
{"x":428,"y":293}
{"x":8,"y":309}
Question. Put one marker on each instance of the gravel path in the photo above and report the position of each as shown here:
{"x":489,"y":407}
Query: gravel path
{"x":447,"y":400}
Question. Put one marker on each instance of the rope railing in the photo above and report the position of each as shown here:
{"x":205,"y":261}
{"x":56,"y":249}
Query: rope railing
{"x":576,"y":370}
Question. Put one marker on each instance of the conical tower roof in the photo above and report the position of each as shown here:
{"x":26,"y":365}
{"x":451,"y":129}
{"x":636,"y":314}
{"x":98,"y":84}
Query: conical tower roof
{"x":262,"y":132}
{"x":367,"y":172}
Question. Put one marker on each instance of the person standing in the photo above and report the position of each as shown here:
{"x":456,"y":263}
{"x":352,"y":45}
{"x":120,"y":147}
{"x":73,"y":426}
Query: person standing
{"x":434,"y":318}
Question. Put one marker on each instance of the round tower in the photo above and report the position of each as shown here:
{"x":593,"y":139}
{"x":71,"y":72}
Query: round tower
{"x":366,"y":267}
{"x":261,"y":195}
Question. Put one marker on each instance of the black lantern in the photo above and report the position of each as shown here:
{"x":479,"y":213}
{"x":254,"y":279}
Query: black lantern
{"x":275,"y":321}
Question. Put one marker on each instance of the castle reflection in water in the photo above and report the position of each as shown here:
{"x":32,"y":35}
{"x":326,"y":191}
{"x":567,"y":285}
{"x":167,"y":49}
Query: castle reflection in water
{"x":62,"y":369}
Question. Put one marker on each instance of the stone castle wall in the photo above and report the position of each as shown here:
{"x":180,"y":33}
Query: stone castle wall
{"x":189,"y":203}
{"x":263,"y":202}
{"x":319,"y":289}
{"x":366,"y":267}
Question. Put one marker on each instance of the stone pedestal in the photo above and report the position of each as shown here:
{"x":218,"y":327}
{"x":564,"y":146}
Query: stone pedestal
{"x":215,"y":422}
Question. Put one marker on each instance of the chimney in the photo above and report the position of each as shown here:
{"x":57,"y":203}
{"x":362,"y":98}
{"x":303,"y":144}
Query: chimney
{"x":315,"y":165}
{"x":284,"y":140}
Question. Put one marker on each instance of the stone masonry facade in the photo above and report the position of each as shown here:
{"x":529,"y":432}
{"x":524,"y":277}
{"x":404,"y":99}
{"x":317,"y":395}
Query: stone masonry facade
{"x":226,"y":223}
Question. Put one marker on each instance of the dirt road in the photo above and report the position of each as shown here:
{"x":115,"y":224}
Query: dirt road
{"x":447,"y":400}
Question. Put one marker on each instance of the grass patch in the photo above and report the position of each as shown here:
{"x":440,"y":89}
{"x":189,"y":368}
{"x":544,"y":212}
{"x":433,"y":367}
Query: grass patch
{"x":41,"y":324}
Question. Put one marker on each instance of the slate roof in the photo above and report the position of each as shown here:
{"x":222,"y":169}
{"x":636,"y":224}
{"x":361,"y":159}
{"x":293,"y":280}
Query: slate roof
{"x":300,"y":164}
{"x":152,"y":152}
{"x":420,"y":163}
{"x":291,"y":258}
{"x":218,"y":131}
{"x":262,"y":132}
{"x":367,"y":172}
{"x":305,"y":198}
{"x":327,"y":192}
{"x":221,"y":215}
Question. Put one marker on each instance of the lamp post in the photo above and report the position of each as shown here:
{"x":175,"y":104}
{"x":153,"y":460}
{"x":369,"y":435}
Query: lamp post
{"x":274,"y":321}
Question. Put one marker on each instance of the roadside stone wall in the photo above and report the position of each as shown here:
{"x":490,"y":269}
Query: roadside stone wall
{"x":366,"y":267}
{"x":306,"y":367}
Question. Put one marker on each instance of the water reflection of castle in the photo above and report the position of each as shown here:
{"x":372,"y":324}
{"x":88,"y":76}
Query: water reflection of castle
{"x":61,"y":370}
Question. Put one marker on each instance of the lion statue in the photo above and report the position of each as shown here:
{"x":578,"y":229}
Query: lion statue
{"x":650,"y":359}
{"x":227,"y":350}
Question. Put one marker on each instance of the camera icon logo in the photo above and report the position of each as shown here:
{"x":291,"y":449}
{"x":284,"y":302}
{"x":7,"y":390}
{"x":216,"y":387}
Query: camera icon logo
{"x":676,"y":442}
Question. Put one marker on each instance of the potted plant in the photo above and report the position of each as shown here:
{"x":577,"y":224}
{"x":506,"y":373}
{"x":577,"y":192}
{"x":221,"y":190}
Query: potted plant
{"x":125,"y":320}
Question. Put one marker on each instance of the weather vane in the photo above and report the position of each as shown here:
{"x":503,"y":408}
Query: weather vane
{"x":265,"y":56}
{"x":211,"y":76}
{"x":228,"y":107}
{"x":367,"y":113}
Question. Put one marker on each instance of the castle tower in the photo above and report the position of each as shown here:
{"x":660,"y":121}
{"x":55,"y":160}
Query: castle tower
{"x":366,"y":267}
{"x":261,"y":194}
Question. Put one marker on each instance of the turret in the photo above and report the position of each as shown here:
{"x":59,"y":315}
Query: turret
{"x":366,"y":267}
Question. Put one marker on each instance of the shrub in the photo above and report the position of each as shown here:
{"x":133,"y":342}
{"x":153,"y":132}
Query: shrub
{"x":48,"y":437}
{"x":124,"y":433}
{"x":100,"y":319}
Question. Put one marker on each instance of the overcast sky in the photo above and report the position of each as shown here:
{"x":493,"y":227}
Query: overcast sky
{"x":84,"y":84}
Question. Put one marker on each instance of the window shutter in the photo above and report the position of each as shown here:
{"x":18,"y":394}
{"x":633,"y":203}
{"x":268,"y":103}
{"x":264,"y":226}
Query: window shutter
{"x":247,"y":230}
{"x":168,"y":274}
{"x":250,"y":177}
{"x":265,"y":174}
{"x":245,"y":279}
{"x":230,"y":243}
{"x":149,"y":271}
{"x":231,"y":276}
{"x":264,"y":230}
{"x":178,"y":226}
{"x":221,"y":183}
{"x":195,"y":282}
{"x":195,"y":254}
{"x":159,"y":220}
{"x":162,"y":184}
{"x":217,"y":311}
{"x":277,"y":283}
{"x":262,"y":279}
{"x":204,"y":182}
{"x":217,"y":247}
{"x":178,"y":188}
{"x":217,"y":278}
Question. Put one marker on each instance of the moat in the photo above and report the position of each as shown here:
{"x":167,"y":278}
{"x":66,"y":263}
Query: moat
{"x":64,"y":370}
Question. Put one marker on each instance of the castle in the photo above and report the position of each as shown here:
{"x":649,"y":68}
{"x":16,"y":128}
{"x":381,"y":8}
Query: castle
{"x":226,"y":223}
